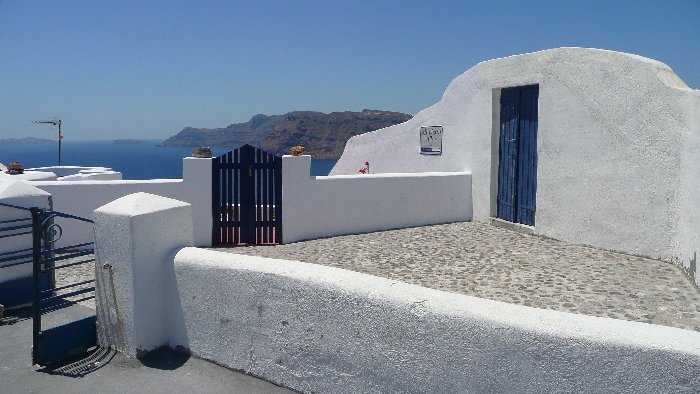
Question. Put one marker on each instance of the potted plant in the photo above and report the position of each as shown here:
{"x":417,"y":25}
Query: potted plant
{"x":297,"y":150}
{"x":15,"y":168}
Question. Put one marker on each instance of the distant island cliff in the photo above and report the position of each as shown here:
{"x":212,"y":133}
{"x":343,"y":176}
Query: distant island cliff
{"x":25,"y":141}
{"x":127,"y":141}
{"x":323,"y":135}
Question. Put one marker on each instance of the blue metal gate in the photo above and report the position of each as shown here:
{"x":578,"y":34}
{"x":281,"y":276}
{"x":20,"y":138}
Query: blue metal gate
{"x":517,"y":171}
{"x":60,"y":332}
{"x":61,"y":328}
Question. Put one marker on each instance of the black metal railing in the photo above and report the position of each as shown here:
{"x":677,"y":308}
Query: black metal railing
{"x":48,"y":260}
{"x":15,"y":293}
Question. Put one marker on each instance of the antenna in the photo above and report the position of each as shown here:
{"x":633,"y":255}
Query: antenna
{"x":56,"y":122}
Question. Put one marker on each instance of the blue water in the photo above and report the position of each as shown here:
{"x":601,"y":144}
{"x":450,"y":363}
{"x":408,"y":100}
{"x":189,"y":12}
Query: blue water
{"x":134,"y":161}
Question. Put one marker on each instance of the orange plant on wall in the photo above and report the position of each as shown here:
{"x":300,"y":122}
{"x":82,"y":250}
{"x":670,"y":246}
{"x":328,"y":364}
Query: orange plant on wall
{"x":297,"y":150}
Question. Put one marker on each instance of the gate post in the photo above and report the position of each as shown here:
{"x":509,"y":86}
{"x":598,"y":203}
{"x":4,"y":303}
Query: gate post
{"x":136,"y":238}
{"x":37,"y":257}
{"x":294,"y":186}
{"x":197,"y":182}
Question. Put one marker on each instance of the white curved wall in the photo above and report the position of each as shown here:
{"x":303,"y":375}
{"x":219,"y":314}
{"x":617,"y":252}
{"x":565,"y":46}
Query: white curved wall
{"x":617,"y":147}
{"x":322,"y":329}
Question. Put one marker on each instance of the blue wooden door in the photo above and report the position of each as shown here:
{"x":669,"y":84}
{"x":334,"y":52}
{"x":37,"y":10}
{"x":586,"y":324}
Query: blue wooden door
{"x":517,"y":171}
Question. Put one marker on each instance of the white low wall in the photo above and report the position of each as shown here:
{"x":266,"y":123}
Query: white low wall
{"x":322,"y":329}
{"x":96,"y":176}
{"x":29,"y":176}
{"x":315,"y":207}
{"x":62,"y":171}
{"x":81,"y":198}
{"x":19,"y":194}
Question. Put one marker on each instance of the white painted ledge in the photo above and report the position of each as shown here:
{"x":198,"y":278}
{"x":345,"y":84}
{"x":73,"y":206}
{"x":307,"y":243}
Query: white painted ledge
{"x":322,"y":329}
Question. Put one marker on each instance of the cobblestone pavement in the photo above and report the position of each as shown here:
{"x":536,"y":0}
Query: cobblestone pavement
{"x":481,"y":260}
{"x":76,"y":274}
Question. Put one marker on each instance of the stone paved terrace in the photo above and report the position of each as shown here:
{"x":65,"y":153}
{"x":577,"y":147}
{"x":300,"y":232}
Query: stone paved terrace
{"x":481,"y":260}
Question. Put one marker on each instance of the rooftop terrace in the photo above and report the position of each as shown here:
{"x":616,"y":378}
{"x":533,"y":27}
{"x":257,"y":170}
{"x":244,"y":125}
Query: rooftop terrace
{"x":484,"y":261}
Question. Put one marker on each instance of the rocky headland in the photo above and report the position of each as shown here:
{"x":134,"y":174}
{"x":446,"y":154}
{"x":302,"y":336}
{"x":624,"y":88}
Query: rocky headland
{"x":323,"y":135}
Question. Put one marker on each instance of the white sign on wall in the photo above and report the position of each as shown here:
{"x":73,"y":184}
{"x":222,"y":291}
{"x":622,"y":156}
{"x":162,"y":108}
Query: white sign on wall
{"x":431,"y":140}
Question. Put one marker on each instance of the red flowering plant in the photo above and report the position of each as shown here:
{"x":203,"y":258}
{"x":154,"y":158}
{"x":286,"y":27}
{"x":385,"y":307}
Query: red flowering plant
{"x":365,"y":169}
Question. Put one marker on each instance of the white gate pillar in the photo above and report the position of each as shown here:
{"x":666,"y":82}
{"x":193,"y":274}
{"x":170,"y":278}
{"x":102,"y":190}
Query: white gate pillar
{"x":196,"y":178}
{"x":136,"y":238}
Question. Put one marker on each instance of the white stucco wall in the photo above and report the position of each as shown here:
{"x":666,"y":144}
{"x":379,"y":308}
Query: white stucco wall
{"x":617,"y":147}
{"x":322,"y":206}
{"x":21,"y":194}
{"x":89,"y":175}
{"x":30,"y":176}
{"x":62,"y":171}
{"x":321,"y":329}
{"x":136,"y":237}
{"x":81,"y":198}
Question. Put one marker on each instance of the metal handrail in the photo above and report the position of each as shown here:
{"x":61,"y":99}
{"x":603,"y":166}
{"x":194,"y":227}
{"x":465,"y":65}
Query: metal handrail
{"x":17,"y":257}
{"x":15,"y":220}
{"x":49,"y":269}
{"x":16,"y":234}
{"x":49,"y":291}
{"x":69,"y":256}
{"x":12,"y":228}
{"x":71,"y":247}
{"x":14,"y":206}
{"x":18,"y":263}
{"x":60,"y":297}
{"x":52,"y":308}
{"x":52,"y":214}
{"x":16,"y":251}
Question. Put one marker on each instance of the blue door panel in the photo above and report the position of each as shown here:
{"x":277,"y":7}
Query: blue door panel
{"x":507,"y":155}
{"x":517,"y":174}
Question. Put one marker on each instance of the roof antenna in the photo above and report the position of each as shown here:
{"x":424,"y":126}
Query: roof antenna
{"x":56,"y":122}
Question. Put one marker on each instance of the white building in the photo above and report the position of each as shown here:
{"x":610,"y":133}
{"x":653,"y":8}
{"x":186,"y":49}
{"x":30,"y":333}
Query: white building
{"x":593,"y":147}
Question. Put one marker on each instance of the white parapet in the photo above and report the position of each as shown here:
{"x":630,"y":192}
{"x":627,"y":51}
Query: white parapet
{"x":323,"y":206}
{"x":322,"y":329}
{"x":136,"y":237}
{"x":15,"y":280}
{"x":82,"y":197}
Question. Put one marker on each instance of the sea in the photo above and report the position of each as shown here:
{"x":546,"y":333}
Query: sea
{"x":144,"y":160}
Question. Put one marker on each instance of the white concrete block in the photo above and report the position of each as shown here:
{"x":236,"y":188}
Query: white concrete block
{"x":136,"y":237}
{"x":22,"y":194}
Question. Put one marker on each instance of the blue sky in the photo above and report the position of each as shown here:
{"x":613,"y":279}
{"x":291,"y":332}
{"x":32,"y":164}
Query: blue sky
{"x":146,"y":69}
